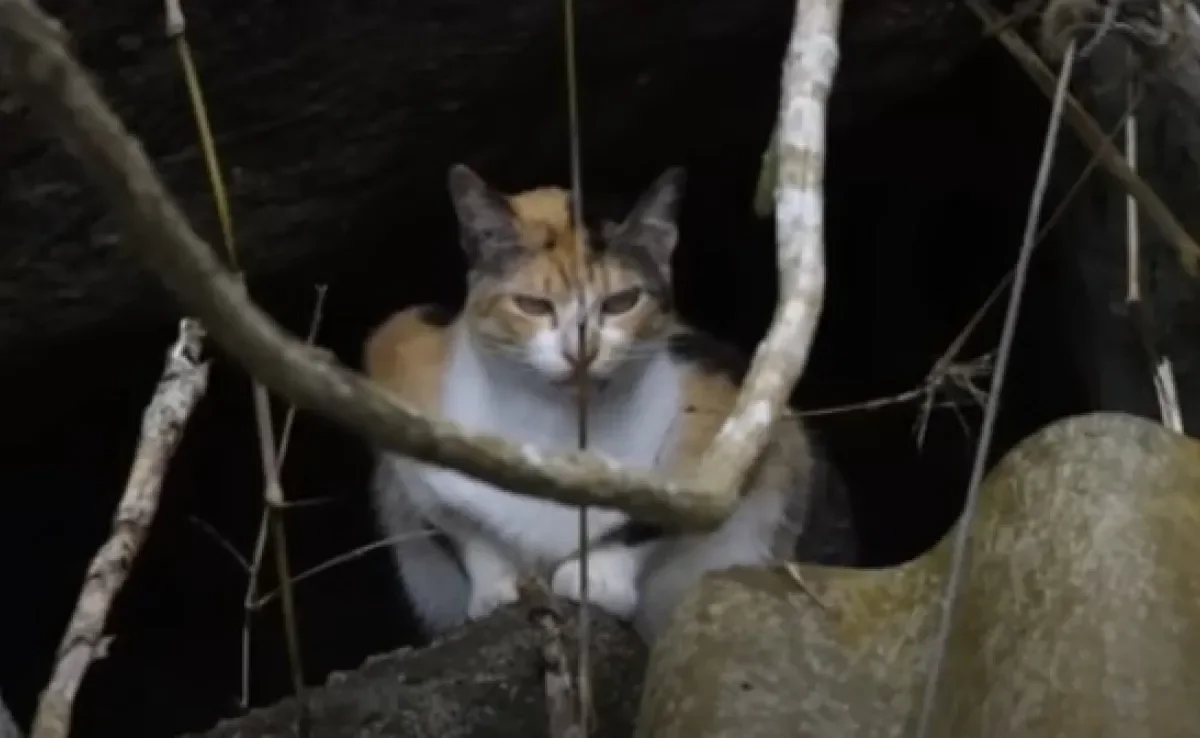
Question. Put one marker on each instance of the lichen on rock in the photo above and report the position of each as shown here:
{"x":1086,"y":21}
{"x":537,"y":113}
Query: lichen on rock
{"x":1078,"y":616}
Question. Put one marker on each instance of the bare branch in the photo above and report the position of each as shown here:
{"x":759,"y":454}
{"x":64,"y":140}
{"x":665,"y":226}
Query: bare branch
{"x":35,"y":63}
{"x":183,"y":382}
{"x":799,"y":215}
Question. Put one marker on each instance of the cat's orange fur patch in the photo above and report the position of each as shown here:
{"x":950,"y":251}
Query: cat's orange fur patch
{"x":543,"y":218}
{"x":407,"y":355}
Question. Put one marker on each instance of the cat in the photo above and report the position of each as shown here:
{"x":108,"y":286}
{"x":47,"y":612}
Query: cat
{"x":508,"y":364}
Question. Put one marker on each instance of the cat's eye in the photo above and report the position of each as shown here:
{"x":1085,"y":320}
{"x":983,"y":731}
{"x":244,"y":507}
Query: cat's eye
{"x":621,"y":302}
{"x":533,"y":305}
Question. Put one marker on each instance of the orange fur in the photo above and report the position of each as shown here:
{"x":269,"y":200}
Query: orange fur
{"x":406,"y":356}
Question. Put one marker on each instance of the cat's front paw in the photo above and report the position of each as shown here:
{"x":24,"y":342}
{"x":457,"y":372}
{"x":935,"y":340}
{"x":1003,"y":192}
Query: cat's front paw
{"x":612,"y":584}
{"x":487,"y":598}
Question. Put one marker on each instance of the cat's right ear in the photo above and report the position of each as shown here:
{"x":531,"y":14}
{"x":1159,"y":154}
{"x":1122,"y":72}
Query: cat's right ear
{"x":652,"y":226}
{"x":485,"y":217}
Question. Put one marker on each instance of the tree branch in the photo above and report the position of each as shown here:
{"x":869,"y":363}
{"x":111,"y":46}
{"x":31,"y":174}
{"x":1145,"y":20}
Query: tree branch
{"x":799,"y":222}
{"x":183,"y":382}
{"x":35,"y":63}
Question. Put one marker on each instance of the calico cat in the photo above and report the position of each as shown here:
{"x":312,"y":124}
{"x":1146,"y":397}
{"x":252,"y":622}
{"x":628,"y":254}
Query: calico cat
{"x":508,"y":364}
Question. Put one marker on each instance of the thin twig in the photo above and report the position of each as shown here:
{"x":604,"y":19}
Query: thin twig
{"x":346,"y":557}
{"x":991,"y":410}
{"x":566,"y":706}
{"x":183,"y":382}
{"x":251,"y":602}
{"x":273,"y":497}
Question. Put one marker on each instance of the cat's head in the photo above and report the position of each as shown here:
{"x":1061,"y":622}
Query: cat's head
{"x":534,"y":276}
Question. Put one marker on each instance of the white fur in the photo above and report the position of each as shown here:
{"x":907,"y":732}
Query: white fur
{"x":501,"y":535}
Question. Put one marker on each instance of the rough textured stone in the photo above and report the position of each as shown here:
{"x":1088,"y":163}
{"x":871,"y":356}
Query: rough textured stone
{"x":1082,"y":613}
{"x":1078,"y":616}
{"x":484,"y":681}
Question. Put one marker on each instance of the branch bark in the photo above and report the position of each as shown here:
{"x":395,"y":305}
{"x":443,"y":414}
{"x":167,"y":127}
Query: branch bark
{"x":34,"y":61}
{"x":183,"y":382}
{"x":780,"y":359}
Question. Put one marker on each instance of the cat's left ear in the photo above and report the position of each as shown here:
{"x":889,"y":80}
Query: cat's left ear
{"x":651,"y":225}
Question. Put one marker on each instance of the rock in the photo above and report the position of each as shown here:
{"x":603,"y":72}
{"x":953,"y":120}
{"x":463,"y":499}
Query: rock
{"x":1078,"y":616}
{"x":484,"y":681}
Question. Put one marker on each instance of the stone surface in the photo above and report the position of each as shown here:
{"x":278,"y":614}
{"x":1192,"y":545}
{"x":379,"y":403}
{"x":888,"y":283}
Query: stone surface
{"x":484,"y":681}
{"x":1079,"y":615}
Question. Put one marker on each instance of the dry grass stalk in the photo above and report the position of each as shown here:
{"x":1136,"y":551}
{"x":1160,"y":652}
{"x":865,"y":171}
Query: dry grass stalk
{"x":780,"y":359}
{"x":252,"y":602}
{"x":183,"y":382}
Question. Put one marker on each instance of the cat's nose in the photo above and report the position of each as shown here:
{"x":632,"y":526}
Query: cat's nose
{"x":580,"y":359}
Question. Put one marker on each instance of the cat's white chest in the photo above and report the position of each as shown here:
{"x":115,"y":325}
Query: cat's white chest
{"x":634,"y":426}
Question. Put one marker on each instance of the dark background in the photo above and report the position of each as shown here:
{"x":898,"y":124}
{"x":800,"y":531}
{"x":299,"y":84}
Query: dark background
{"x":925,"y":207}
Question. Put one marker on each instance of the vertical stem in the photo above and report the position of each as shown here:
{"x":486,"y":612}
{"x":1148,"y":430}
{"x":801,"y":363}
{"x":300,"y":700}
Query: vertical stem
{"x":584,"y":681}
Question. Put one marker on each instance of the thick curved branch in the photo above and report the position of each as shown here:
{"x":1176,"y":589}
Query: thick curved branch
{"x":34,"y":61}
{"x":799,"y":222}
